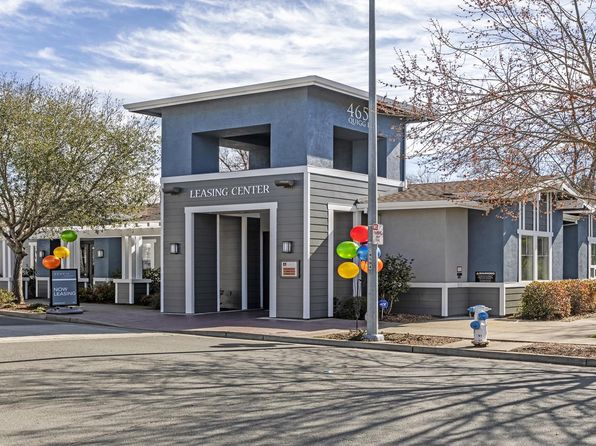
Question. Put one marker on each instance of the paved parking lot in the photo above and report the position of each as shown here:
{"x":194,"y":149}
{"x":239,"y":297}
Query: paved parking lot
{"x":79,"y":384}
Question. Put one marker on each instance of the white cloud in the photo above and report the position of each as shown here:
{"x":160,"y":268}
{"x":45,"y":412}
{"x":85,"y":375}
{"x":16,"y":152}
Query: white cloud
{"x":215,"y":44}
{"x":49,"y":54}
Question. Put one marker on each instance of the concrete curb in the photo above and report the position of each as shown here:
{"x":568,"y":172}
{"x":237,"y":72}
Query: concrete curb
{"x":443,"y":351}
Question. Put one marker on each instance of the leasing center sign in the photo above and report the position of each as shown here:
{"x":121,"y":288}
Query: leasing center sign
{"x":230,"y":191}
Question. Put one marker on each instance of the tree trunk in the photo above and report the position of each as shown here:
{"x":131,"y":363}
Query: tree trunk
{"x":17,"y":277}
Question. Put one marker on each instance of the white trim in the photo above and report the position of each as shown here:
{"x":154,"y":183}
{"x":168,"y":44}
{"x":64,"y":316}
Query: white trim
{"x":435,"y":204}
{"x":218,"y":260}
{"x":221,"y":176}
{"x":266,"y":87}
{"x":306,"y":249}
{"x":455,"y":284}
{"x":161,"y":254}
{"x":189,"y":247}
{"x":331,"y":209}
{"x":344,"y":174}
{"x":233,"y":175}
{"x":189,"y":263}
{"x":444,"y":301}
{"x":244,"y":261}
{"x":502,"y":299}
{"x":260,"y":264}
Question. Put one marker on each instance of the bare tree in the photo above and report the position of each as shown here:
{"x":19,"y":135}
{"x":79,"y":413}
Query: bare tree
{"x":510,"y":94}
{"x":232,"y":159}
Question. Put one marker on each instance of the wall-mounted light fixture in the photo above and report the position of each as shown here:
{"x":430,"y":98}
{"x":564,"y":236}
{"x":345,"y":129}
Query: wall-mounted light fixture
{"x":287,"y":247}
{"x":285,"y":183}
{"x":460,"y":271}
{"x":100,"y":253}
{"x":41,"y":254}
{"x":174,"y":248}
{"x":172,"y":190}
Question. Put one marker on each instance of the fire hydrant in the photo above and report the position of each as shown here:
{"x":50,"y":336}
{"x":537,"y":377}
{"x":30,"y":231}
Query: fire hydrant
{"x":479,"y":324}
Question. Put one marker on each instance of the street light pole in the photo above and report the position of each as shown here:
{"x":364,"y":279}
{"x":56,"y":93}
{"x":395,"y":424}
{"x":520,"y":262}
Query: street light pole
{"x":372,"y":285}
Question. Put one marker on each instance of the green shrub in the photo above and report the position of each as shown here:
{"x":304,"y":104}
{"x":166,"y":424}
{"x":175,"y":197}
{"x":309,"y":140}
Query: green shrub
{"x":350,"y":307}
{"x":151,"y":300}
{"x":545,"y":300}
{"x":7,"y":298}
{"x":395,"y":278}
{"x":153,"y":274}
{"x":101,"y":293}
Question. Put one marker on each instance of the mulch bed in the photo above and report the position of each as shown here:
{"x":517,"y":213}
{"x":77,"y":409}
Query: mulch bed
{"x":397,"y":338}
{"x":579,"y":350}
{"x":25,"y":308}
{"x":405,"y":318}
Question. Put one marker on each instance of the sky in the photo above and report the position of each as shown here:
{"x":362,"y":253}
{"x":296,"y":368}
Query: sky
{"x":146,"y":49}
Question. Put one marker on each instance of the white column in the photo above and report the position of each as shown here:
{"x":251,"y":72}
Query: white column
{"x":218,"y":260}
{"x":444,"y":301}
{"x":136,"y":254}
{"x":125,"y":249}
{"x":244,"y":256}
{"x":3,"y":258}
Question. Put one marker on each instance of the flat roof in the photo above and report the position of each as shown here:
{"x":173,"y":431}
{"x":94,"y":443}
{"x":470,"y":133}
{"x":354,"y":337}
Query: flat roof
{"x":154,"y":106}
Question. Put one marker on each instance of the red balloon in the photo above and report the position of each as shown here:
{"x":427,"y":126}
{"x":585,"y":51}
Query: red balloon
{"x":364,"y":265}
{"x":359,"y":234}
{"x":50,"y":262}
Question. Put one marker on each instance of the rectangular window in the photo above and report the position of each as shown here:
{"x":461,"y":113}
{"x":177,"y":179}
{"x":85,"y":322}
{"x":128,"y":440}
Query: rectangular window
{"x":543,"y":258}
{"x":148,"y":256}
{"x":527,"y":257}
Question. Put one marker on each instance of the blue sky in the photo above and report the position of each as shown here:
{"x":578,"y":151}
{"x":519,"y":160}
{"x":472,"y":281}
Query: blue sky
{"x":145,"y":49}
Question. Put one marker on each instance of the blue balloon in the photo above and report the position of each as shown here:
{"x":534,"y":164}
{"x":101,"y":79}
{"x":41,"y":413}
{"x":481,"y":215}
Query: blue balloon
{"x":362,"y":252}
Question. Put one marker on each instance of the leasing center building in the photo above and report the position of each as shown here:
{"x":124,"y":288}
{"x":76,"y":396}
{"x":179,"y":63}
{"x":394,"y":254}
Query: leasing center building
{"x":265,"y":237}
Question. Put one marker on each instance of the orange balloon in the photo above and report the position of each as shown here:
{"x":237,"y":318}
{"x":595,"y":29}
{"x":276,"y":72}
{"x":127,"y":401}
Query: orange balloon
{"x":50,"y":262}
{"x":364,"y":265}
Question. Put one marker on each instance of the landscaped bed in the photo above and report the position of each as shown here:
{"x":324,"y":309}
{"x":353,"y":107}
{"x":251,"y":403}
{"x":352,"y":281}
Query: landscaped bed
{"x":25,"y":308}
{"x":396,"y":338}
{"x":578,"y":350}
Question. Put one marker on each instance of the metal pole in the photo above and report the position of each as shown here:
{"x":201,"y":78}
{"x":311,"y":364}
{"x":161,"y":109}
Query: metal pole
{"x":372,"y":285}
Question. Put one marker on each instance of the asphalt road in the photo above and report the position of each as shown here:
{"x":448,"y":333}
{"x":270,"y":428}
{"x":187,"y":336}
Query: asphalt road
{"x":76,"y":384}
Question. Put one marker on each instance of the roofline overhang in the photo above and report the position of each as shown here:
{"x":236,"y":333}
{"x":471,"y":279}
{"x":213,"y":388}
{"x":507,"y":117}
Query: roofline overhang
{"x":153,"y":107}
{"x":436,"y":204}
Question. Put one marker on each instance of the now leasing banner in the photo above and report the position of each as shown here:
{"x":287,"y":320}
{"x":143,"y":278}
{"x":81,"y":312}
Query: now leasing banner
{"x":64,"y":287}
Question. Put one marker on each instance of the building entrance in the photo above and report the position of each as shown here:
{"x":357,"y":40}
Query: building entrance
{"x":239,"y":276}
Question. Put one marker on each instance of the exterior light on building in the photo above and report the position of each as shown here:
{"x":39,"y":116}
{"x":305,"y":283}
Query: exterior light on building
{"x":174,"y":248}
{"x":172,"y":190}
{"x":460,"y":271}
{"x":41,"y":254}
{"x":287,"y":247}
{"x":288,"y":184}
{"x":100,"y":253}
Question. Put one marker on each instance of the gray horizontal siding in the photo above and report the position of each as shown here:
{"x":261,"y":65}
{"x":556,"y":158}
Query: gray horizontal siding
{"x":420,"y":301}
{"x":513,"y":297}
{"x":122,"y":293}
{"x":290,"y":219}
{"x":324,"y":190}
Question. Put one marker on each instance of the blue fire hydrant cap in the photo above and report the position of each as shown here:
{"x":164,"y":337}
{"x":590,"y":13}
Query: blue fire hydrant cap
{"x":483,"y":315}
{"x":475,"y":325}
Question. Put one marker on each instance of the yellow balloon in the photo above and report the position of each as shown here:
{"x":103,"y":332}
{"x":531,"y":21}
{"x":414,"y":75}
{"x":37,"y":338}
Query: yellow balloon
{"x":61,"y":252}
{"x":348,"y":270}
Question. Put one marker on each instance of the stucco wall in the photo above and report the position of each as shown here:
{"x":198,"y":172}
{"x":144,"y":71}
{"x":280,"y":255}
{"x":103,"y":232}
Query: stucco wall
{"x":435,"y":238}
{"x":485,"y":243}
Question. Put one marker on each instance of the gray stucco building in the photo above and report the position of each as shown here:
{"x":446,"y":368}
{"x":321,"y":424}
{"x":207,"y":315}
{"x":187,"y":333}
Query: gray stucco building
{"x":264,"y":237}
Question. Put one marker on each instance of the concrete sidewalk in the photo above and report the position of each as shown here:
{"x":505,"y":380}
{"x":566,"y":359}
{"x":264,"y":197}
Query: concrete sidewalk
{"x":256,"y":322}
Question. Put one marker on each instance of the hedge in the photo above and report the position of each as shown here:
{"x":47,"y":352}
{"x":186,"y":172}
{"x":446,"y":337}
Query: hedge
{"x":558,"y":299}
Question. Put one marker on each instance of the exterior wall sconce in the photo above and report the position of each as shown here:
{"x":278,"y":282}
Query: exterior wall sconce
{"x":288,"y":184}
{"x":172,"y":190}
{"x":287,"y":247}
{"x":41,"y":254}
{"x":174,"y":248}
{"x":100,"y":253}
{"x":460,"y":271}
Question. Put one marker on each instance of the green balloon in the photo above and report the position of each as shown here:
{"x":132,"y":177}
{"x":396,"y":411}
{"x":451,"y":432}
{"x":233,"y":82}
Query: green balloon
{"x":347,"y":250}
{"x":68,"y":236}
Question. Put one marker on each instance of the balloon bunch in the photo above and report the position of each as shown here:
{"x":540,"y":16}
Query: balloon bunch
{"x":61,"y":252}
{"x":355,"y":248}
